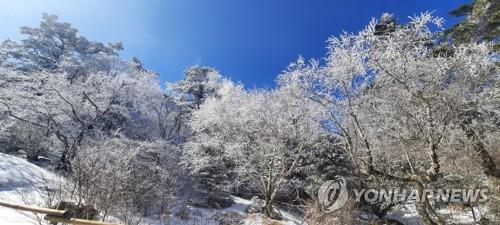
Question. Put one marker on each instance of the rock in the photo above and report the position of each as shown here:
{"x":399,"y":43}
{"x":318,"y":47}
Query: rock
{"x":386,"y":25}
{"x":257,"y":205}
{"x":384,"y":222}
{"x":213,"y":200}
{"x":228,"y":218}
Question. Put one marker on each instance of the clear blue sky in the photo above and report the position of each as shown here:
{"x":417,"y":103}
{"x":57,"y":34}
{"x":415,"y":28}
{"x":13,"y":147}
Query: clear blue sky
{"x":250,"y":41}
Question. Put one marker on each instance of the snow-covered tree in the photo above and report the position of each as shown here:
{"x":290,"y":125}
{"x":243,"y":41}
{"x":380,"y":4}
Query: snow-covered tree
{"x":4,"y":132}
{"x":75,"y":110}
{"x":56,"y":46}
{"x":199,"y":83}
{"x":61,"y":91}
{"x":260,"y":136}
{"x":183,"y":97}
{"x":394,"y":102}
{"x":171,"y":115}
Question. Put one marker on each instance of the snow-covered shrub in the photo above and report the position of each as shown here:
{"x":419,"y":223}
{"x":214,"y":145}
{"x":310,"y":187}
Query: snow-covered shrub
{"x":124,"y":178}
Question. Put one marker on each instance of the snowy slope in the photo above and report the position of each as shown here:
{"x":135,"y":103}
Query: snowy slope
{"x":19,"y":180}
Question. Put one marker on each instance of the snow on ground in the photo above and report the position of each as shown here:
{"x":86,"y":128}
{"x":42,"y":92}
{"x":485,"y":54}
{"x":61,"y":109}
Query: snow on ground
{"x":20,"y":181}
{"x":232,"y":215}
{"x":461,"y":216}
{"x":406,"y":212}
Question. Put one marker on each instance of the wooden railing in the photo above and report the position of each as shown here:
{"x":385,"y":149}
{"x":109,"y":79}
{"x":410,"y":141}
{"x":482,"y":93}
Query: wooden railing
{"x":53,"y":215}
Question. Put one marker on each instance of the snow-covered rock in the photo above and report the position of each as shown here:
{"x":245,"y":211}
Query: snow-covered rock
{"x":212,"y":200}
{"x":257,"y":205}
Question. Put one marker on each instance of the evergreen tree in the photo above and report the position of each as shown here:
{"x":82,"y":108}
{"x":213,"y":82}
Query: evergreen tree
{"x":481,"y":22}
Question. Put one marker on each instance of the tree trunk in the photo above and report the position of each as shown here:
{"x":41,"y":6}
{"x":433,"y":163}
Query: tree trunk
{"x":32,"y":155}
{"x":489,"y":165}
{"x":64,"y":162}
{"x":487,"y":162}
{"x":269,"y":211}
{"x":424,"y":208}
{"x":271,"y":197}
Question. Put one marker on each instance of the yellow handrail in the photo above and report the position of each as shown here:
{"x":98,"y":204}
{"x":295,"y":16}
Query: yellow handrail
{"x":53,"y":215}
{"x":53,"y":212}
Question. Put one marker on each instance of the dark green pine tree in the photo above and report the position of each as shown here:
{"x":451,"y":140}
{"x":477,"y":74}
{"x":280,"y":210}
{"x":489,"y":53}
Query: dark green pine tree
{"x":481,"y":22}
